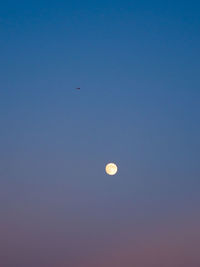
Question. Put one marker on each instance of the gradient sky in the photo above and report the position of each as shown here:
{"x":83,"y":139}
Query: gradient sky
{"x":138,"y":66}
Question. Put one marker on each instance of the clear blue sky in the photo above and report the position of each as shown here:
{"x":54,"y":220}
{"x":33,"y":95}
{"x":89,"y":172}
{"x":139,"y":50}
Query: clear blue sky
{"x":138,"y":66}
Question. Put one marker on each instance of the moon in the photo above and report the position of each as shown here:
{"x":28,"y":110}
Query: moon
{"x":111,"y":168}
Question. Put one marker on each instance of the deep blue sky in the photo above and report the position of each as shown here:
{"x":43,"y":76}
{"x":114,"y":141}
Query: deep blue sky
{"x":138,"y":66}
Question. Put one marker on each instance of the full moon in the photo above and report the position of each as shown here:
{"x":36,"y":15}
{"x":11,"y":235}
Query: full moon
{"x":111,"y":168}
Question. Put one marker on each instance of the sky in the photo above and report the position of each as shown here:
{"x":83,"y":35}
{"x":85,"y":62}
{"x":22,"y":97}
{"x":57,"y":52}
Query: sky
{"x":138,"y":66}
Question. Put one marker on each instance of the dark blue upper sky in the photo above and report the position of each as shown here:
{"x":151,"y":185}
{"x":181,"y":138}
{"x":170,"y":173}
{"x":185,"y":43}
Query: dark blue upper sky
{"x":138,"y":66}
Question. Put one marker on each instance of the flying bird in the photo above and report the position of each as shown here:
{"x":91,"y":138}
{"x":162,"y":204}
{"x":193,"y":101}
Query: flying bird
{"x":78,"y":88}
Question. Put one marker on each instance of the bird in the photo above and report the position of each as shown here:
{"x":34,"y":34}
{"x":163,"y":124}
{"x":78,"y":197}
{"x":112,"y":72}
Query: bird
{"x":78,"y":88}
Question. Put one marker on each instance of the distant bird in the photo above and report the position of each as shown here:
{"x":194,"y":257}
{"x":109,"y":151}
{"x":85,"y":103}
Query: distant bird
{"x":78,"y":88}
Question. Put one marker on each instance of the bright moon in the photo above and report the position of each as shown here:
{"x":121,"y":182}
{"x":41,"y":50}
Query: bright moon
{"x":111,"y":168}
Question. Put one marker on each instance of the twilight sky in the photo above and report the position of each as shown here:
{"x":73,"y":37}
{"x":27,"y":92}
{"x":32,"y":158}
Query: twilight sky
{"x":138,"y":66}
